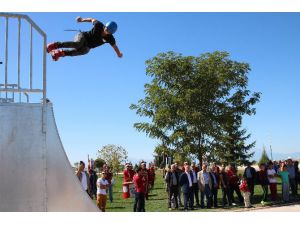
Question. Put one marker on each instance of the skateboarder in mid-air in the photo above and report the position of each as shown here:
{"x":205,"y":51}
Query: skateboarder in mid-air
{"x":84,"y":41}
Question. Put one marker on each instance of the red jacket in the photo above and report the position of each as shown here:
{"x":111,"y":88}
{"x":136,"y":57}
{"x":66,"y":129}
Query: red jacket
{"x":232,"y":178}
{"x":151,"y":175}
{"x":244,"y":187}
{"x":139,"y":183}
{"x":128,"y":175}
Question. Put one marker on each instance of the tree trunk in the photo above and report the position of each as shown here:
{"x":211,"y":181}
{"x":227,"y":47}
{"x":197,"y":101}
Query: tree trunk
{"x":200,"y":153}
{"x":200,"y":158}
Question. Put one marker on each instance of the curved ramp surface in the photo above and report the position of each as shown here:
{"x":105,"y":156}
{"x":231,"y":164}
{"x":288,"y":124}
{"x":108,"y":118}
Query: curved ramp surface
{"x":35,"y":173}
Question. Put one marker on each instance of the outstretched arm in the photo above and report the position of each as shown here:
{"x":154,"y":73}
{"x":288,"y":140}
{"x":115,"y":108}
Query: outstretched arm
{"x":120,"y":54}
{"x":80,"y":19}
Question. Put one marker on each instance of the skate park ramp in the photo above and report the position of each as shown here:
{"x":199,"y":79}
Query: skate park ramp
{"x":35,"y":172}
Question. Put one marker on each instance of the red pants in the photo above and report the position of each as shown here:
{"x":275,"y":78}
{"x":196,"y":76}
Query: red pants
{"x":273,"y":189}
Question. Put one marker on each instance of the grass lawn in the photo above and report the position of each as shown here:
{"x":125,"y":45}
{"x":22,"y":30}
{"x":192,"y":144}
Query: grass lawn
{"x":158,"y":198}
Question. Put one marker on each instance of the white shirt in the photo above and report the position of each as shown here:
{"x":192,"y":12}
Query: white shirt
{"x":84,"y":181}
{"x":271,"y":172}
{"x":101,"y":181}
{"x":189,"y":178}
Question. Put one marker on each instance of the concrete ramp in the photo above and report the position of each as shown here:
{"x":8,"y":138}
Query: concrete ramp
{"x":35,"y":173}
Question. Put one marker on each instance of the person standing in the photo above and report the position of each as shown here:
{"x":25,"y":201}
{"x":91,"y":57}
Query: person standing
{"x":194,"y":172}
{"x":245,"y":189}
{"x":215,"y":178}
{"x":102,"y":186}
{"x":145,"y":178}
{"x":140,"y":190}
{"x":109,"y":177}
{"x":83,"y":177}
{"x":205,"y":184}
{"x":186,"y":183}
{"x":296,"y":165}
{"x":179,"y":172}
{"x":128,"y":173}
{"x":172,"y":181}
{"x":250,"y":174}
{"x":225,"y":187}
{"x":92,"y":183}
{"x":151,"y":176}
{"x":284,"y":174}
{"x":272,"y":181}
{"x":292,"y":177}
{"x":234,"y":184}
{"x":264,"y":182}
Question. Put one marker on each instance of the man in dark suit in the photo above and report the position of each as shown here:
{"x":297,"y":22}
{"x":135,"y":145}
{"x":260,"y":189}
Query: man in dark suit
{"x":194,"y":173}
{"x":186,"y":184}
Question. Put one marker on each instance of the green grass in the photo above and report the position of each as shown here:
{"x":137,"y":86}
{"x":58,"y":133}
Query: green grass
{"x":158,"y":198}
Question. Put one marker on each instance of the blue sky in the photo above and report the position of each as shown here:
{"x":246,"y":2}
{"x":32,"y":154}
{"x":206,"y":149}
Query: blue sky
{"x":92,"y":93}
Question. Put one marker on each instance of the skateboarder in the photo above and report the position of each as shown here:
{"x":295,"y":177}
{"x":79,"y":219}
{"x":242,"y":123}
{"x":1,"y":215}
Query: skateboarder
{"x":84,"y":41}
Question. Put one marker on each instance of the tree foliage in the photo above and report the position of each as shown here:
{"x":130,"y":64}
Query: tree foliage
{"x":264,"y":159}
{"x":98,"y":163}
{"x":114,"y":156}
{"x":191,"y":101}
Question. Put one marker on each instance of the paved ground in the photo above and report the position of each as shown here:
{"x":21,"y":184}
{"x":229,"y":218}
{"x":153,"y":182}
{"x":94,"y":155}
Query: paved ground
{"x":289,"y":208}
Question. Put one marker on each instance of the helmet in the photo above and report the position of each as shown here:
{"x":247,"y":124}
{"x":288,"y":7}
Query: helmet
{"x":111,"y":27}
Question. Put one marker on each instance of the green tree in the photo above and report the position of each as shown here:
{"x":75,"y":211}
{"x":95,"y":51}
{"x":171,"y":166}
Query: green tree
{"x":233,"y":148}
{"x":98,"y":163}
{"x":190,"y":98}
{"x":264,"y":159}
{"x":114,"y":156}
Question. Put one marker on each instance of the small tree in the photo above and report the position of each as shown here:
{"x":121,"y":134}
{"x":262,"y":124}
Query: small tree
{"x":114,"y":156}
{"x":98,"y":163}
{"x":264,"y":157}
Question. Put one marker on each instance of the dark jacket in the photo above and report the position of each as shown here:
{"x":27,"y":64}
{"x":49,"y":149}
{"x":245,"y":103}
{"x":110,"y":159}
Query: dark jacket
{"x":262,"y":177}
{"x":169,"y":179}
{"x":252,"y":171}
{"x":213,"y":181}
{"x":93,"y":180}
{"x":184,"y":183}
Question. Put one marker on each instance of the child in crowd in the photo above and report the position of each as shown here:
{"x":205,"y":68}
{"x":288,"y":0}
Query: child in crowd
{"x":246,"y":192}
{"x":272,"y":181}
{"x":102,"y":186}
{"x":284,"y":174}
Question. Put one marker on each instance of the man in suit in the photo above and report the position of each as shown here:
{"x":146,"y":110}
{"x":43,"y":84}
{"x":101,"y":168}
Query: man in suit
{"x":172,"y":181}
{"x":250,"y":174}
{"x":186,"y":184}
{"x":195,"y":171}
{"x":205,"y":184}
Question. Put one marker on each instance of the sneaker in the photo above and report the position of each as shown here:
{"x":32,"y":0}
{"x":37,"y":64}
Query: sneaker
{"x":51,"y":47}
{"x":56,"y":54}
